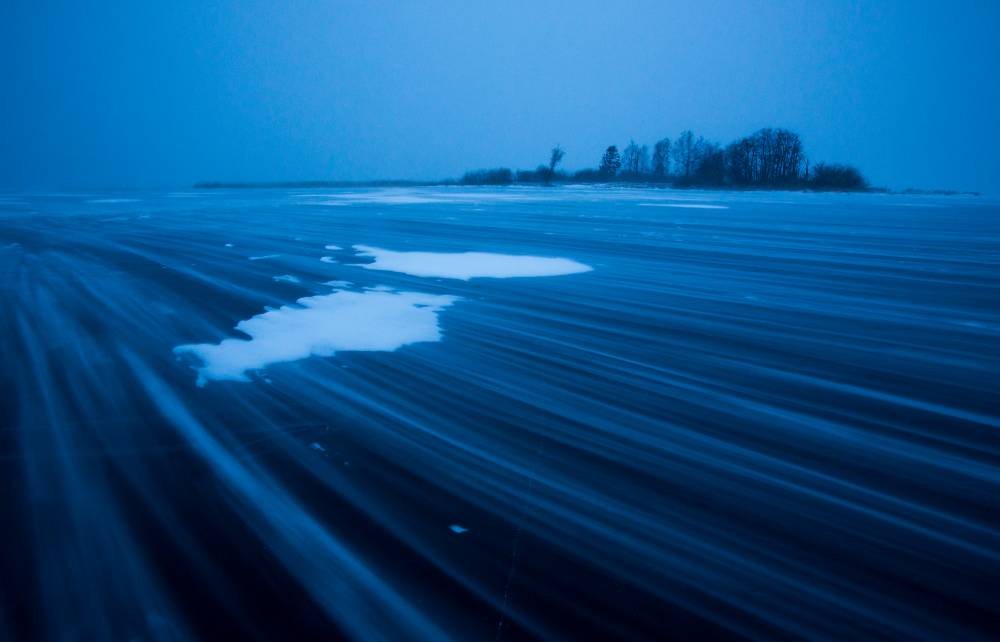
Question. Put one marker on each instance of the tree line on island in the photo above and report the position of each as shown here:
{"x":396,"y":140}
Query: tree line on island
{"x":769,"y":158}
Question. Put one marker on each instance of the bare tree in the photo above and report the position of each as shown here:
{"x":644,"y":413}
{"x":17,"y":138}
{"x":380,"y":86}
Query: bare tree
{"x":766,"y":157}
{"x":831,"y":176}
{"x":710,"y":163}
{"x":554,"y":159}
{"x":630,"y":159}
{"x":611,"y":161}
{"x":661,"y":158}
{"x":642,"y":166}
{"x":684,"y":153}
{"x":635,"y":160}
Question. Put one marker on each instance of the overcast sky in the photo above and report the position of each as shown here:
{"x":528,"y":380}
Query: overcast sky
{"x":136,"y":94}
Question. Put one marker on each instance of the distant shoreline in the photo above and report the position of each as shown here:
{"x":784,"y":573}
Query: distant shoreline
{"x":769,"y":159}
{"x":607,"y":184}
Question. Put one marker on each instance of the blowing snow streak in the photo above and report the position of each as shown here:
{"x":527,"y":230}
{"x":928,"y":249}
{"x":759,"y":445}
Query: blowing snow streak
{"x":742,"y":415}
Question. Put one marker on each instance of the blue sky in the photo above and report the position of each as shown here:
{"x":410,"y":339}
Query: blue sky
{"x":130,"y":94}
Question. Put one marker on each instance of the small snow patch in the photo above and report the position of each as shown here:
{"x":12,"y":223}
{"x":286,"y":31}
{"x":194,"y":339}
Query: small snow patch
{"x":468,"y":265}
{"x":689,"y":206}
{"x":322,"y":326}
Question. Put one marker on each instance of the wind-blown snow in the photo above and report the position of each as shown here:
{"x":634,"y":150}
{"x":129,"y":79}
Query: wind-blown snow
{"x":322,"y":326}
{"x":468,"y":265}
{"x":689,"y":206}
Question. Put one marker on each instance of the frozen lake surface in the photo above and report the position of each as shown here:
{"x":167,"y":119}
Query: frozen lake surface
{"x":478,"y":414}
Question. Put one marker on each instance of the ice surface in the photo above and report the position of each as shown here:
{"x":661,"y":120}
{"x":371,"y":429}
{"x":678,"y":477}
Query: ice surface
{"x":380,"y":197}
{"x":435,"y":196}
{"x":690,"y":206}
{"x":468,"y":265}
{"x":321,"y":326}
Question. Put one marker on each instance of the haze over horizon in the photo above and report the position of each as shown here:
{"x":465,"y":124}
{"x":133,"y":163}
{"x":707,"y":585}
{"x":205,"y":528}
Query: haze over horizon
{"x":118,"y":94}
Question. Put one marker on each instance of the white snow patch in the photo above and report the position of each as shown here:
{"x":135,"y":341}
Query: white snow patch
{"x":380,"y":197}
{"x":468,"y":265}
{"x":690,"y":206}
{"x":321,"y":326}
{"x":327,"y":259}
{"x":287,"y":277}
{"x":338,"y":284}
{"x":333,"y":247}
{"x":403,"y":196}
{"x":261,"y":258}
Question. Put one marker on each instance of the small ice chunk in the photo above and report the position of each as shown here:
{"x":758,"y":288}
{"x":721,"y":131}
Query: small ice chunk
{"x":265,"y":256}
{"x":333,"y":247}
{"x":287,"y":277}
{"x":327,"y":259}
{"x":458,"y":528}
{"x":317,"y":447}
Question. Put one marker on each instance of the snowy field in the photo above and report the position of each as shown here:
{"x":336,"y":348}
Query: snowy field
{"x":477,"y":414}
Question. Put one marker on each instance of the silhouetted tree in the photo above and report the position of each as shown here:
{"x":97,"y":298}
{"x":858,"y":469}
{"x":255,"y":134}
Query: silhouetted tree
{"x":769,"y":157}
{"x":684,"y":153}
{"x":741,"y":161}
{"x":611,"y":162}
{"x":555,"y":158}
{"x":635,"y":159}
{"x":661,"y":158}
{"x":766,"y":157}
{"x":710,"y":166}
{"x":538,"y":175}
{"x":588,"y":175}
{"x":498,"y":176}
{"x":837,"y":177}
